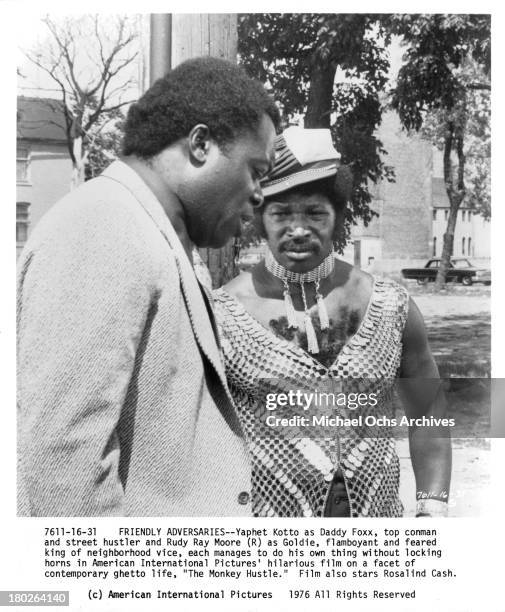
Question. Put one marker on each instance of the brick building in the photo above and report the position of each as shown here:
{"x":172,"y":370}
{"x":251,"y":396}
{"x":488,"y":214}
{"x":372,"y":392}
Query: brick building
{"x":43,"y":166}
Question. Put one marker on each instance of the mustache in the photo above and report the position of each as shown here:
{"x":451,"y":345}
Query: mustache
{"x":297,"y":245}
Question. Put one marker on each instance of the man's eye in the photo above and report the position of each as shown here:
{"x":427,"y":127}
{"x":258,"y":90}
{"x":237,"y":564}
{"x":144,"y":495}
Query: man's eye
{"x":318,"y":213}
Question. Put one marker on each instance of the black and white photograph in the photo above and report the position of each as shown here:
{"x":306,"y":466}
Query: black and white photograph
{"x":340,"y":163}
{"x":253,"y":281}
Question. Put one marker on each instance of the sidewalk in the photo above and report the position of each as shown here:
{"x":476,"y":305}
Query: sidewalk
{"x":452,"y":305}
{"x":469,"y":485}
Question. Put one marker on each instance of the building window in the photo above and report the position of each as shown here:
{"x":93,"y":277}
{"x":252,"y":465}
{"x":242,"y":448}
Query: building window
{"x":22,"y":222}
{"x":470,"y":246}
{"x":463,"y":240}
{"x":434,"y":246}
{"x":22,"y":165}
{"x":463,"y":215}
{"x":446,"y":214}
{"x":469,"y":216}
{"x":434,"y":214}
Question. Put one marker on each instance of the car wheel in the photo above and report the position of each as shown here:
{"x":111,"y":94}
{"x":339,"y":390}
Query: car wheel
{"x":466,"y":280}
{"x":487,"y":283}
{"x":422,"y":281}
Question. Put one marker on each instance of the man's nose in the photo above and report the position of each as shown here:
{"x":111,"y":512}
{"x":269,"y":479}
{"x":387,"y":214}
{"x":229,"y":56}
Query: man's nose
{"x":257,"y":198}
{"x":298,"y":230}
{"x":255,"y":201}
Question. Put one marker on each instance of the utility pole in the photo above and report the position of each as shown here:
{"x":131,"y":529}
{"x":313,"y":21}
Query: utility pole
{"x":178,"y":37}
{"x":160,"y":48}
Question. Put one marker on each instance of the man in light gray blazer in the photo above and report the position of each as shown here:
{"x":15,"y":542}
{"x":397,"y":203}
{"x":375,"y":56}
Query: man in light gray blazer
{"x":123,"y":403}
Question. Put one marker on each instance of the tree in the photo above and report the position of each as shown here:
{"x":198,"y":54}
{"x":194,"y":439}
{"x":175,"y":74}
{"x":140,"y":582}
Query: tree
{"x":89,"y":58}
{"x":443,"y":87}
{"x":331,"y":69}
{"x":105,"y":146}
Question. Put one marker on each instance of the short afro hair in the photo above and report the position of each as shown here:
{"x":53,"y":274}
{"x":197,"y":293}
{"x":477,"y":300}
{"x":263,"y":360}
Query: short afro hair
{"x":205,"y":90}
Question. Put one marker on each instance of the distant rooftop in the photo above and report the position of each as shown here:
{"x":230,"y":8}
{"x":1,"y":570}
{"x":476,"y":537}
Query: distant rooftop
{"x":40,"y":119}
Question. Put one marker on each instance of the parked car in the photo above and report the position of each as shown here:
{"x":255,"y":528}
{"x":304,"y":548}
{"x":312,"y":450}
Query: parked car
{"x":460,"y":270}
{"x":249,"y":260}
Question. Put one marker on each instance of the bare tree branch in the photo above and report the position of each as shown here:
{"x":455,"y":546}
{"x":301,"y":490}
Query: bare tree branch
{"x":92,"y":95}
{"x":122,"y":87}
{"x":99,"y":40}
{"x":123,"y":64}
{"x":64,"y":46}
{"x":107,"y":73}
{"x":94,"y":117}
{"x":109,"y":109}
{"x":66,"y":111}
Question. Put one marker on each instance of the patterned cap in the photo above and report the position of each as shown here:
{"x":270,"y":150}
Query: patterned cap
{"x":301,"y":156}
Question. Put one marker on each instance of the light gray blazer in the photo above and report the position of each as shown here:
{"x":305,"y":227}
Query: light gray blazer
{"x":123,"y":404}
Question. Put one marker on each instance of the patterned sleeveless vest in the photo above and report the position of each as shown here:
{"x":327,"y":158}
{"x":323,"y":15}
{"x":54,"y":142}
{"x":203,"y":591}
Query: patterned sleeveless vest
{"x":293,"y":466}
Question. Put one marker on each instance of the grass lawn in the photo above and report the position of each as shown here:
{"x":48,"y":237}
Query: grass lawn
{"x":461,"y":345}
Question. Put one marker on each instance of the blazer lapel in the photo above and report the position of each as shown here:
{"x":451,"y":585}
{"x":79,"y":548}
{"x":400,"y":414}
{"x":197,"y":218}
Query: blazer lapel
{"x":199,"y":314}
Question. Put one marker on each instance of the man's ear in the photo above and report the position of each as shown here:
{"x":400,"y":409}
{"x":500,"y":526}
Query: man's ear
{"x":199,"y":143}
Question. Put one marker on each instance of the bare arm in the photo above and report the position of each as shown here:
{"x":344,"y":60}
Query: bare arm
{"x":422,"y":393}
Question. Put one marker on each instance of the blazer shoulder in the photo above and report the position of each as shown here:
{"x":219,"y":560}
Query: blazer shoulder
{"x":100,"y":224}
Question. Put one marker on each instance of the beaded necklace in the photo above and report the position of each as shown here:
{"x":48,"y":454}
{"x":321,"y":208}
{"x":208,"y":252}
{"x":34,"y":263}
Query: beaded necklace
{"x":315,"y":275}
